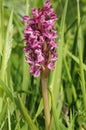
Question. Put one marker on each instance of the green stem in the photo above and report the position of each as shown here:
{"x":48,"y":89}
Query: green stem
{"x":1,"y":26}
{"x":45,"y":101}
{"x":80,"y":48}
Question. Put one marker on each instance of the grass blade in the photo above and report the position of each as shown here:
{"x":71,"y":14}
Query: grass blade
{"x":19,"y":104}
{"x":75,"y":59}
{"x":56,"y":79}
{"x":26,"y":115}
{"x":6,"y":90}
{"x":7,"y":47}
{"x":39,"y":110}
{"x":80,"y":50}
{"x":58,"y":123}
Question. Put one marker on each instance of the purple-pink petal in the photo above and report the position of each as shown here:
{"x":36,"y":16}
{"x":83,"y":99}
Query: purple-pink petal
{"x":53,"y":44}
{"x":47,"y":4}
{"x":26,"y":18}
{"x":40,"y":38}
{"x":32,"y":68}
{"x":36,"y":73}
{"x":34,"y":12}
{"x":51,"y":66}
{"x":40,"y":58}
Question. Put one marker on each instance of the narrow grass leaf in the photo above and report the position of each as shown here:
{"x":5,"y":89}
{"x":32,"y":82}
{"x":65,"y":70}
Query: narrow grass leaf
{"x":3,"y":113}
{"x":26,"y":115}
{"x":54,"y":111}
{"x":70,"y":79}
{"x":25,"y":127}
{"x":56,"y":79}
{"x":6,"y":89}
{"x":7,"y":47}
{"x":76,"y":59}
{"x":39,"y":110}
{"x":80,"y":51}
{"x":72,"y":119}
{"x":58,"y":124}
{"x":19,"y":104}
{"x":9,"y":122}
{"x":1,"y":26}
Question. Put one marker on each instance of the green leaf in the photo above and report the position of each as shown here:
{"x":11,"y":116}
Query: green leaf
{"x":6,"y":89}
{"x":58,"y":124}
{"x":26,"y":115}
{"x":7,"y":47}
{"x":72,"y":119}
{"x":56,"y":79}
{"x":3,"y":113}
{"x":1,"y":102}
{"x":80,"y":51}
{"x":1,"y":26}
{"x":25,"y":127}
{"x":19,"y":104}
{"x":39,"y":110}
{"x":75,"y":59}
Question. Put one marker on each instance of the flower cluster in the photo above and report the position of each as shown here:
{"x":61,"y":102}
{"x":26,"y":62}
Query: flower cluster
{"x":40,"y":35}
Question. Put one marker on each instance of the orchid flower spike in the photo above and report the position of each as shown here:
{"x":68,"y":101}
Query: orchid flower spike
{"x":40,"y":38}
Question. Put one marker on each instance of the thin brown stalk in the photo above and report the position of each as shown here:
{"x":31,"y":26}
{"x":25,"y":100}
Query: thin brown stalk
{"x":45,"y":101}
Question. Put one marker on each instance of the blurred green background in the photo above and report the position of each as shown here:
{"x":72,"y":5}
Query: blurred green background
{"x":21,"y":103}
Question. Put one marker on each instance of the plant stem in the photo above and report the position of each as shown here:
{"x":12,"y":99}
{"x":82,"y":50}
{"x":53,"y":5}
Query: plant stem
{"x":45,"y":101}
{"x":80,"y":48}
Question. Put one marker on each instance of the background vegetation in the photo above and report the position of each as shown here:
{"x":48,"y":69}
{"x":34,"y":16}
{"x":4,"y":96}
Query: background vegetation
{"x":21,"y":105}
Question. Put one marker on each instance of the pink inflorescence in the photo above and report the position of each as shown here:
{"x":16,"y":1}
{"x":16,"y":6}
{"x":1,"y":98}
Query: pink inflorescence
{"x":40,"y":35}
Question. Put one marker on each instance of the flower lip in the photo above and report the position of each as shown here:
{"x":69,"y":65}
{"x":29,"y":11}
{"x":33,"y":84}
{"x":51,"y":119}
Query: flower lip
{"x":47,"y":4}
{"x":26,"y":18}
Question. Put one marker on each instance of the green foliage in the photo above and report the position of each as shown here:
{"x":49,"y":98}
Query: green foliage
{"x":21,"y":103}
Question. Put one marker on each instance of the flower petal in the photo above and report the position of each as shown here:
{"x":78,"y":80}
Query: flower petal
{"x":51,"y":66}
{"x":37,"y":73}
